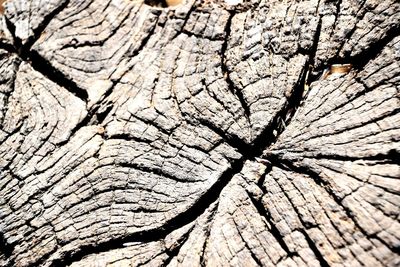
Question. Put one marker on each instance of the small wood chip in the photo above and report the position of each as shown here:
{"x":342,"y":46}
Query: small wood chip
{"x":341,"y":68}
{"x":337,"y":68}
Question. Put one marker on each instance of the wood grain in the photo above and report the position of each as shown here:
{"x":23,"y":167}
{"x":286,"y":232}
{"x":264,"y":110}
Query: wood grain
{"x":207,"y":133}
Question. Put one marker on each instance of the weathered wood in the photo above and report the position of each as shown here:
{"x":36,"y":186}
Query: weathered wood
{"x":207,"y":133}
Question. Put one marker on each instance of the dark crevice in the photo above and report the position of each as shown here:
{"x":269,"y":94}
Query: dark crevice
{"x":126,"y":137}
{"x":338,"y":4}
{"x":146,"y":39}
{"x":294,"y":101}
{"x":100,"y":110}
{"x":38,"y":62}
{"x":200,"y":36}
{"x":210,"y":219}
{"x":360,"y":60}
{"x":156,"y":3}
{"x":391,"y":157}
{"x":273,"y":229}
{"x":24,"y":49}
{"x":283,"y":118}
{"x":6,"y":248}
{"x":41,"y":65}
{"x":185,"y":20}
{"x":102,"y":113}
{"x":6,"y":103}
{"x":184,"y":218}
{"x":352,"y":30}
{"x":159,"y":127}
{"x":95,"y":115}
{"x":16,"y":41}
{"x":84,"y":122}
{"x":225,"y":70}
{"x":203,"y":259}
{"x":271,"y":133}
{"x":8,"y":47}
{"x":213,"y":95}
{"x":314,"y":73}
{"x":174,"y":251}
{"x":314,"y":249}
{"x":232,"y":140}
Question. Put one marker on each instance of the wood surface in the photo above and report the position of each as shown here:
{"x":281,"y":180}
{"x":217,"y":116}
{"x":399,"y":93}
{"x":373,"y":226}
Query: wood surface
{"x":200,"y":133}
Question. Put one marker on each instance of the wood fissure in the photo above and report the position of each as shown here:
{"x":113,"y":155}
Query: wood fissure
{"x":201,"y":133}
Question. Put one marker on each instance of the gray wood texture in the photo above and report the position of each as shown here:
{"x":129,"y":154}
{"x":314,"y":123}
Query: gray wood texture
{"x":200,"y":133}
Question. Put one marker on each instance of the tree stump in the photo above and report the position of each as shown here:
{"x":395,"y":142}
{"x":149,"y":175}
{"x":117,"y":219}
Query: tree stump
{"x":200,"y":133}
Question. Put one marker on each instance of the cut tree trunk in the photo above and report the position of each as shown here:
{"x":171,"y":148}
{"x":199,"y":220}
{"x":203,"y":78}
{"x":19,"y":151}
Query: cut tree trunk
{"x":201,"y":133}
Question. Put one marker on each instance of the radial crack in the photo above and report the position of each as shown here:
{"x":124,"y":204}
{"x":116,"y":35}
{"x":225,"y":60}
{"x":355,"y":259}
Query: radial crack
{"x":45,"y":68}
{"x":184,"y":218}
{"x":225,"y":70}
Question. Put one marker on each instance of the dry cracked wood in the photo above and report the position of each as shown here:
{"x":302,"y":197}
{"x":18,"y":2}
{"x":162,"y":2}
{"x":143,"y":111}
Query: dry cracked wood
{"x":208,"y":133}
